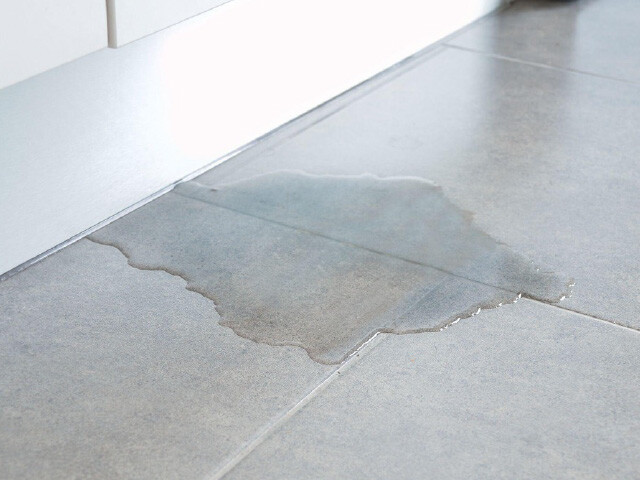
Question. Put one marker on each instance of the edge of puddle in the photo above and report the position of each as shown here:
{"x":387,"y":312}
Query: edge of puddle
{"x":474,"y":310}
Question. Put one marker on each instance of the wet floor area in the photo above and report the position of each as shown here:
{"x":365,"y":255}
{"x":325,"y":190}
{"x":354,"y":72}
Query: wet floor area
{"x":326,"y":262}
{"x":438,"y":279}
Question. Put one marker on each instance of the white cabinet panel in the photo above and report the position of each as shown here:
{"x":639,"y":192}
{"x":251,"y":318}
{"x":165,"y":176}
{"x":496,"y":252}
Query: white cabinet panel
{"x":36,"y":35}
{"x":133,"y":19}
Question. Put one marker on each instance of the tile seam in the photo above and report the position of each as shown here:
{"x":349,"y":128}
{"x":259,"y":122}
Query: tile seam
{"x":539,"y":64}
{"x":435,"y":329}
{"x":556,"y":305}
{"x":588,"y":315}
{"x":277,"y":423}
{"x":351,"y":244}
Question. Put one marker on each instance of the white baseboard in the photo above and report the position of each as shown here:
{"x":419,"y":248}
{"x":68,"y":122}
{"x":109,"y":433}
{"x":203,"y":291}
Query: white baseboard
{"x":88,"y":139}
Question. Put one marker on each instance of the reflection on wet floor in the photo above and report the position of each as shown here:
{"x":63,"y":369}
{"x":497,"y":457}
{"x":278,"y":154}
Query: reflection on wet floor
{"x":325,"y":262}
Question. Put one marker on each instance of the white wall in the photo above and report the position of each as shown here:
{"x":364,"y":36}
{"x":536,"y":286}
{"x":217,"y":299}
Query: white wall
{"x":36,"y":35}
{"x":133,"y":19}
{"x":83,"y":141}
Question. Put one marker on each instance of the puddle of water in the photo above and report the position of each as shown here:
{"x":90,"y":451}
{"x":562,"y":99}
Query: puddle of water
{"x":325,"y":262}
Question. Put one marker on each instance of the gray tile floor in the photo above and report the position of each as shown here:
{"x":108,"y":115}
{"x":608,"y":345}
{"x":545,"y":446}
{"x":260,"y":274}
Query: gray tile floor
{"x":116,"y":357}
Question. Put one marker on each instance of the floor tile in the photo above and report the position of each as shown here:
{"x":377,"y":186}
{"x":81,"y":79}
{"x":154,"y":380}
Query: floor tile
{"x":524,"y":391}
{"x":596,"y":36}
{"x":113,"y":372}
{"x":547,"y":161}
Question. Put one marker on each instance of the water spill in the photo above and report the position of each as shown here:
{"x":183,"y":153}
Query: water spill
{"x":325,"y":262}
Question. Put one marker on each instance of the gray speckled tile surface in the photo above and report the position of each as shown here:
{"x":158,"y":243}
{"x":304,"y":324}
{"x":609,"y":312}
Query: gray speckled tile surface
{"x":113,"y":372}
{"x":524,"y":391}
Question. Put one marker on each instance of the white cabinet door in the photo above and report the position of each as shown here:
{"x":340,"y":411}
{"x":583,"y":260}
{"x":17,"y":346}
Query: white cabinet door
{"x":36,"y":35}
{"x":133,"y":19}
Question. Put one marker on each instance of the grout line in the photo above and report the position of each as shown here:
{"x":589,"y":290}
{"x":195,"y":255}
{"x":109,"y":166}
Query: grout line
{"x":357,"y":350}
{"x":348,"y":243}
{"x":540,"y":65}
{"x":386,"y":254}
{"x":182,"y":194}
{"x":266,"y":431}
{"x":588,"y":315}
